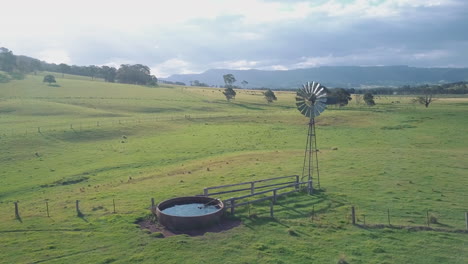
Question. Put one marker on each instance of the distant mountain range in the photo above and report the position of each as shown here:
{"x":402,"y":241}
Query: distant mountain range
{"x":330,"y":76}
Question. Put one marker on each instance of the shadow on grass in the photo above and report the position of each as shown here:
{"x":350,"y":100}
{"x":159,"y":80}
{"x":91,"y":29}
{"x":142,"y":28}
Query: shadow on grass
{"x":249,"y":107}
{"x":18,"y":217}
{"x":82,"y":216}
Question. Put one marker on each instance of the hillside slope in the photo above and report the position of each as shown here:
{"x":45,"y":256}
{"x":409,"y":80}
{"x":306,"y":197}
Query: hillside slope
{"x":332,"y":76}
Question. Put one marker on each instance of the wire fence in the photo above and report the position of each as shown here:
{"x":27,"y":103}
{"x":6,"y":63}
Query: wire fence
{"x":112,"y":122}
{"x":424,"y":219}
{"x":430,"y":220}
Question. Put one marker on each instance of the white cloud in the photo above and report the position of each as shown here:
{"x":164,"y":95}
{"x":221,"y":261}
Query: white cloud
{"x":247,"y":35}
{"x":236,"y":65}
{"x":184,"y":36}
{"x":431,"y":55}
{"x":276,"y":68}
{"x":172,"y":66}
{"x":116,"y":62}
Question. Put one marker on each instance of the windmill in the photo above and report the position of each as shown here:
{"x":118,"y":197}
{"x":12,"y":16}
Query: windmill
{"x":311,"y":102}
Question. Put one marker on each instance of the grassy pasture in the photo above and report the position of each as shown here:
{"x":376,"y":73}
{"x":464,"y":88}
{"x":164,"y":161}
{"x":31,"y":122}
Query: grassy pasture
{"x":101,"y":141}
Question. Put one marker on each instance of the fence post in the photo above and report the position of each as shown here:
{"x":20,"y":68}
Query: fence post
{"x":233,"y":203}
{"x":252,"y":187}
{"x":427,"y":216}
{"x":274,"y":196}
{"x":297,"y":182}
{"x":466,"y":219}
{"x":271,"y":209}
{"x":113,"y":202}
{"x":47,"y":208}
{"x":388,"y":215}
{"x":77,"y":205}
{"x":17,"y":211}
{"x":309,"y":187}
{"x":353,"y":215}
{"x":205,"y":191}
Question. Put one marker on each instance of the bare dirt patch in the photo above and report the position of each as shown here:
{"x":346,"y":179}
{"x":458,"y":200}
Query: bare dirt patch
{"x":154,"y":227}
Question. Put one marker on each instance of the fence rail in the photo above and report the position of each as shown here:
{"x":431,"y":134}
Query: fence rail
{"x":252,"y":184}
{"x":232,"y":204}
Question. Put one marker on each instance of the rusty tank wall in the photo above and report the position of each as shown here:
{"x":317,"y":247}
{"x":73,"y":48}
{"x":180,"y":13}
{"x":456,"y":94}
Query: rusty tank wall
{"x":189,"y":222}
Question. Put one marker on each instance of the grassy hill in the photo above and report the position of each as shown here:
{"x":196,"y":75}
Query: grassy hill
{"x":100,"y":142}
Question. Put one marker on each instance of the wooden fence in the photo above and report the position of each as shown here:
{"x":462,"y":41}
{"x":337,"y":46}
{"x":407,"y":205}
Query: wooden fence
{"x":253,"y":186}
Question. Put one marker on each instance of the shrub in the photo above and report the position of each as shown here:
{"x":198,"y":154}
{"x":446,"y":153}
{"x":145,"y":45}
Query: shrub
{"x":292,"y":232}
{"x":157,"y":235}
{"x":433,"y":219}
{"x":4,"y":78}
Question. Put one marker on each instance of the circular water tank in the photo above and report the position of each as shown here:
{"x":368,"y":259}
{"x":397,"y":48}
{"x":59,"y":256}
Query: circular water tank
{"x":190,"y":212}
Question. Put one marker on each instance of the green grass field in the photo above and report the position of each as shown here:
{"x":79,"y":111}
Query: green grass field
{"x":97,"y":142}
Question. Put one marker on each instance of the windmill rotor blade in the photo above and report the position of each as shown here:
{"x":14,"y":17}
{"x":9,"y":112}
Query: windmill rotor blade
{"x":306,"y":89}
{"x":316,"y":112}
{"x":322,"y":100}
{"x":300,"y":107}
{"x":320,"y":108}
{"x":301,"y":93}
{"x":316,"y":87}
{"x":304,"y":110}
{"x":321,"y":104}
{"x":311,"y":99}
{"x":300,"y":98}
{"x":309,"y":112}
{"x":300,"y":104}
{"x":311,"y":87}
{"x":319,"y":91}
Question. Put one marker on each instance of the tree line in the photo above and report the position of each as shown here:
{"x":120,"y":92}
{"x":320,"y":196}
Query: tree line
{"x":18,"y":65}
{"x":446,"y":88}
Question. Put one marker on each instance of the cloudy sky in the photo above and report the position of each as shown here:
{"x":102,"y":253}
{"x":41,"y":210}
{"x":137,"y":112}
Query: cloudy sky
{"x":191,"y":36}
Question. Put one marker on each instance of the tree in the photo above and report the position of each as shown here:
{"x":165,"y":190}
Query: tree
{"x":49,"y":79}
{"x":229,"y":93}
{"x":270,"y":96}
{"x":244,"y":83}
{"x":153,"y":81}
{"x":229,"y":80}
{"x":23,"y":64}
{"x":198,"y":83}
{"x":108,"y":73}
{"x":64,"y":68}
{"x":369,"y":99}
{"x":7,"y":60}
{"x":425,"y":100}
{"x":135,"y":74}
{"x":93,"y":71}
{"x":338,"y":96}
{"x":36,"y":65}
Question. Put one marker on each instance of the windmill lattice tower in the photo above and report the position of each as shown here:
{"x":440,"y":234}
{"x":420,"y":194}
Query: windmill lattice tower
{"x":311,"y":102}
